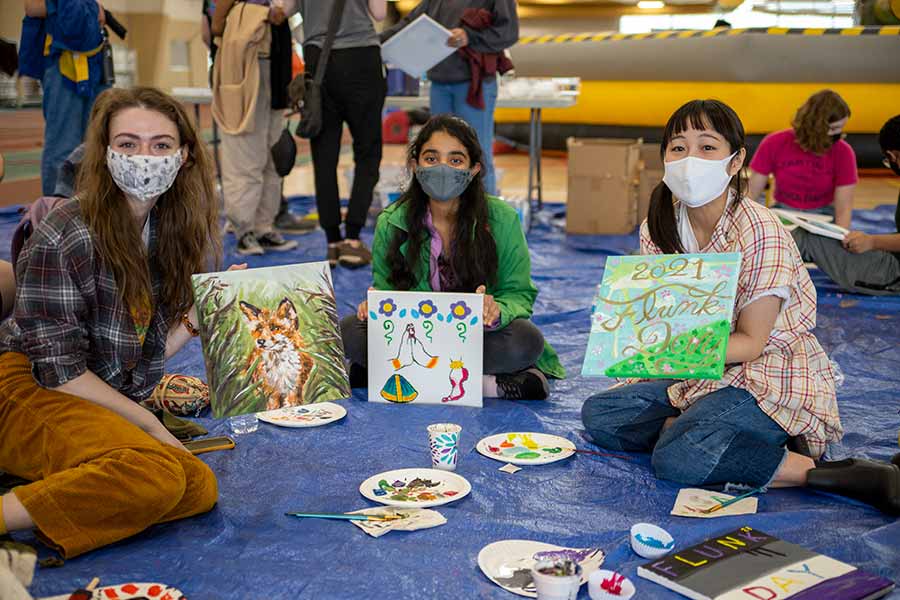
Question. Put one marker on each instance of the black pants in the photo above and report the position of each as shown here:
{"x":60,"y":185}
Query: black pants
{"x":509,"y":350}
{"x":353,"y":92}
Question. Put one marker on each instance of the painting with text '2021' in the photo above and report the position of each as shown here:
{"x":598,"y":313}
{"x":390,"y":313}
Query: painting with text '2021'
{"x":663,"y":316}
{"x":425,"y":348}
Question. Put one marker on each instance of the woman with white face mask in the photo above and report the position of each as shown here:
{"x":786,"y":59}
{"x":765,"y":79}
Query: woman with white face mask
{"x":104,"y":297}
{"x":778,"y":391}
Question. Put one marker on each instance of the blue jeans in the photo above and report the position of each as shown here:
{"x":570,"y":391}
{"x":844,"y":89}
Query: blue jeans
{"x":66,"y":116}
{"x":451,"y":98}
{"x":722,"y":438}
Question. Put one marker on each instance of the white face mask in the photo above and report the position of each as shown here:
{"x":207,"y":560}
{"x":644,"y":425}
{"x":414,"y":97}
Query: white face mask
{"x":142,"y":176}
{"x":697,"y":181}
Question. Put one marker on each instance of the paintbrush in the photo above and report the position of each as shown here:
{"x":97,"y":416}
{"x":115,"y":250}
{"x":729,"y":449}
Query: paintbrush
{"x":344,"y":517}
{"x":721,"y":505}
{"x":594,"y":452}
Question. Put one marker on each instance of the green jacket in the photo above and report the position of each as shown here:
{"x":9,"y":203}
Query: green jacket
{"x":514,"y":291}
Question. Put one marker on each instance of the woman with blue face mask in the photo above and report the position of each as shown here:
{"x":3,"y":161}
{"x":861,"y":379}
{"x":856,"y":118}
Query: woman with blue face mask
{"x":446,"y":234}
{"x":770,"y":417}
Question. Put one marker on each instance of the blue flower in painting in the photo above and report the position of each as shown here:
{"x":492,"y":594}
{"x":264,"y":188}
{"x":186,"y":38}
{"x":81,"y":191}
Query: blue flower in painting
{"x":387,"y":307}
{"x":427,"y":308}
{"x":460,"y":310}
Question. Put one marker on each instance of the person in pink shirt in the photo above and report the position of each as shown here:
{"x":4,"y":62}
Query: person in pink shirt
{"x":814,"y":168}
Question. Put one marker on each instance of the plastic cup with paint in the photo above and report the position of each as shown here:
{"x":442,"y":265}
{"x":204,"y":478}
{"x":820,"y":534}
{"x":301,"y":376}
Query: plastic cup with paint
{"x":443,"y":439}
{"x":650,"y":541}
{"x":609,"y":585}
{"x":556,"y":579}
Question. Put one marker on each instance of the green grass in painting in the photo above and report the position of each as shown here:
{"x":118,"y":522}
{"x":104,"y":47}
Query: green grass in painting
{"x":228,"y":343}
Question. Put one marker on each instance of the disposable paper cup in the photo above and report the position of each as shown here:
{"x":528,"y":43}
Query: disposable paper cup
{"x":551,"y":586}
{"x":650,"y":541}
{"x":443,"y":439}
{"x":619,"y":587}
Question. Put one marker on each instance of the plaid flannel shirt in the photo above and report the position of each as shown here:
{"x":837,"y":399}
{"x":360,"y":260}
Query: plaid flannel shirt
{"x":792,"y":380}
{"x":68,"y":317}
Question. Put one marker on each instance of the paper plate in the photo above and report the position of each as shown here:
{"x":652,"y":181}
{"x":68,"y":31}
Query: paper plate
{"x":508,"y":562}
{"x":132,"y":591}
{"x":415,"y":488}
{"x":523,"y":448}
{"x":308,"y":415}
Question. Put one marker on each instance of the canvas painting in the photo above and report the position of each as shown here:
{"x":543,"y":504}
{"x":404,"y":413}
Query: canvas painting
{"x":270,"y":338}
{"x":425,"y":348}
{"x":663,"y":316}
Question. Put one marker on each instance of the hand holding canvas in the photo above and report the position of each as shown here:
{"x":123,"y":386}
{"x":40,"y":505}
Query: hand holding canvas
{"x":491,"y":308}
{"x":858,"y":242}
{"x":362,"y":311}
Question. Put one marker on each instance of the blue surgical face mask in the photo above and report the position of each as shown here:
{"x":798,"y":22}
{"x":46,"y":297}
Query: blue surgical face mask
{"x":443,"y":182}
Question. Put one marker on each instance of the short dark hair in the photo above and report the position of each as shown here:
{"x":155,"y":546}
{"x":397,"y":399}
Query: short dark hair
{"x":889,"y":136}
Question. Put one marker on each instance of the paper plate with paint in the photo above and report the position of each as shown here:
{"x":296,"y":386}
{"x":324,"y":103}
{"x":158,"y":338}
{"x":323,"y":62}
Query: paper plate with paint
{"x":508,"y":562}
{"x":310,"y":415}
{"x":415,"y":488}
{"x":131,"y":591}
{"x":522,"y":448}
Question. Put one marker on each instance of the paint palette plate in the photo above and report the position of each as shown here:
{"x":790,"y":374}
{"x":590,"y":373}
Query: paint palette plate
{"x":508,"y":562}
{"x":415,"y":488}
{"x":523,"y":448}
{"x":308,"y":415}
{"x":131,"y":591}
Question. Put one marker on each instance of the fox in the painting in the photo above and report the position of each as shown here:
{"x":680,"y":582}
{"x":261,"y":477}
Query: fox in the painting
{"x":283,"y":368}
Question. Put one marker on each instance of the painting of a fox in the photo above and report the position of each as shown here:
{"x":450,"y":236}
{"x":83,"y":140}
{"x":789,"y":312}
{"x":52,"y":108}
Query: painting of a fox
{"x":282,"y":365}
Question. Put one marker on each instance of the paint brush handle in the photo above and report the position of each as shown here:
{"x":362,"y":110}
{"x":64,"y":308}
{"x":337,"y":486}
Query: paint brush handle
{"x":722,"y":505}
{"x":341,"y":516}
{"x":595,"y":453}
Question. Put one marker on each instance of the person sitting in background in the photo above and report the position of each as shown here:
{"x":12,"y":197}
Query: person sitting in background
{"x":814,"y":168}
{"x":862,"y":263}
{"x":445,"y":234}
{"x":104,"y":298}
{"x":768,"y":420}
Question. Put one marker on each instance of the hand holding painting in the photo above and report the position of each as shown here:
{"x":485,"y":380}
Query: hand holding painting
{"x":491,"y":308}
{"x":362,"y":311}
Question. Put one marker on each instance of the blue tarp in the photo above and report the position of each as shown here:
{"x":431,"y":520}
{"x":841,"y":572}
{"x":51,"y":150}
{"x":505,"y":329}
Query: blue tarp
{"x":245,"y":548}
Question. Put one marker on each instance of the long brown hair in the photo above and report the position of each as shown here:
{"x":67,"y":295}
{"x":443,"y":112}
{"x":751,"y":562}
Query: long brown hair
{"x":188,"y":215}
{"x":812,"y":121}
{"x":698,"y":114}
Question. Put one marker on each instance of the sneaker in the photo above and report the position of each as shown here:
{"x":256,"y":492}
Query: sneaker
{"x":249,"y":246}
{"x":354,"y":254}
{"x":530,"y":384}
{"x":288,"y":222}
{"x":334,"y":253}
{"x":274,"y":241}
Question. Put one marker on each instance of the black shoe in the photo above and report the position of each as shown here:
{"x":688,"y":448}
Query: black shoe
{"x":530,"y":384}
{"x":359,"y":376}
{"x":274,"y":241}
{"x":288,"y":222}
{"x":872,"y":482}
{"x":896,"y":459}
{"x":334,"y":253}
{"x":248,"y":246}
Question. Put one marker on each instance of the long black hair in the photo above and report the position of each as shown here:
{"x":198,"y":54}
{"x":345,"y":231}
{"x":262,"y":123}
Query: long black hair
{"x":474,"y":255}
{"x":698,"y":114}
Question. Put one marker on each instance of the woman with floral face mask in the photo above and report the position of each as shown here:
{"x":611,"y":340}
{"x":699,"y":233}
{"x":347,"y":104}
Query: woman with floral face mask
{"x":778,"y":388}
{"x":814,"y":168}
{"x":104,"y":297}
{"x":446,"y":234}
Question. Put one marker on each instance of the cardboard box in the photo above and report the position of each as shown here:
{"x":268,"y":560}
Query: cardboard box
{"x":604,"y":175}
{"x":652,"y":171}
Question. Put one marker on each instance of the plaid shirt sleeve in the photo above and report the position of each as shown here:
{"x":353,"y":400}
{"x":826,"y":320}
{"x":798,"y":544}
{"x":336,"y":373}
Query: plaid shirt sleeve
{"x":50,"y":308}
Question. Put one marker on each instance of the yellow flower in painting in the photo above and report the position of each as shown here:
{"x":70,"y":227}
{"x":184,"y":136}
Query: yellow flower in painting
{"x":427,"y":308}
{"x":460,"y":310}
{"x":387,"y":307}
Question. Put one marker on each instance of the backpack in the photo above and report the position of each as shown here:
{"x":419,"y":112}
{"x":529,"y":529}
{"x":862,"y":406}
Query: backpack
{"x":31,"y":216}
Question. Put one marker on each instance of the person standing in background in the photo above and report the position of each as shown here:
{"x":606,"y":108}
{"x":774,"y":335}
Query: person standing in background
{"x":353,"y":91}
{"x":61,"y":46}
{"x":814,"y":168}
{"x":489,"y":33}
{"x":256,"y":37}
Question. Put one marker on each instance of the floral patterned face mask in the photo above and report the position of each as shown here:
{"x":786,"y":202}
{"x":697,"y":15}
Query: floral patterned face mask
{"x":142,"y":176}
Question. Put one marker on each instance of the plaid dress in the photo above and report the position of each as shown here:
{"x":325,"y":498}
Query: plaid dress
{"x":792,"y":380}
{"x":68,"y":317}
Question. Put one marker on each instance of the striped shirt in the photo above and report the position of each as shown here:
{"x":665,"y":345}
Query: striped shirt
{"x":792,"y":379}
{"x":68,"y":317}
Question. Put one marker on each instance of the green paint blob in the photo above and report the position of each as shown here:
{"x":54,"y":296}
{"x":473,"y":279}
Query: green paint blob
{"x":528,"y":454}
